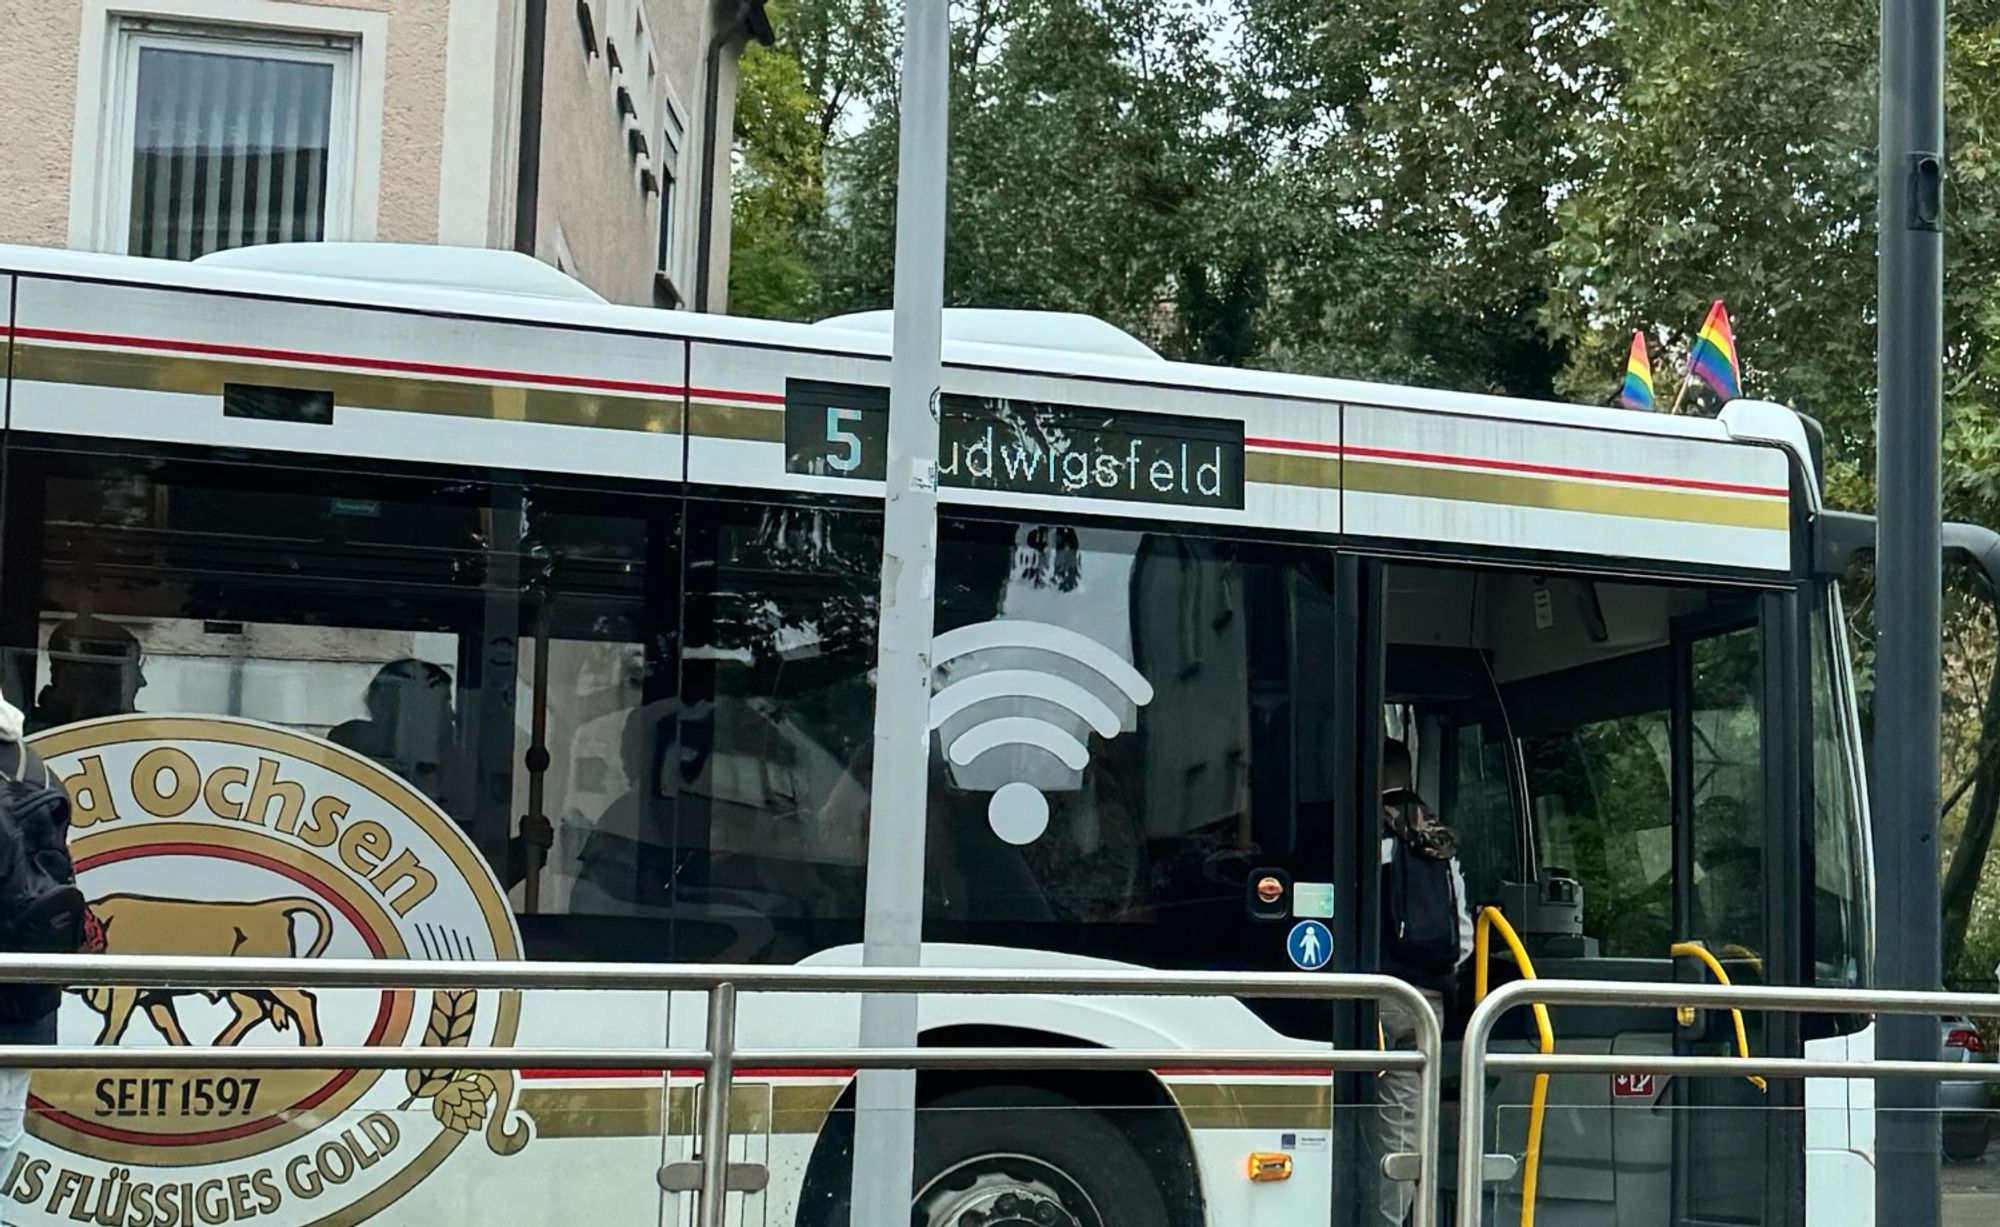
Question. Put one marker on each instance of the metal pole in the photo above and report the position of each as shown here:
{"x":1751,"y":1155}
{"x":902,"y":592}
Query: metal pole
{"x":1909,"y":358}
{"x":534,"y":857}
{"x":714,"y":1195}
{"x":1472,"y":1109}
{"x":1430,"y":1043}
{"x":885,"y":1126}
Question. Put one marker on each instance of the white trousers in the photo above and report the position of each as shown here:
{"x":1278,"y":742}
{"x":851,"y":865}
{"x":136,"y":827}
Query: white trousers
{"x":13,"y":1127}
{"x":1396,"y":1092}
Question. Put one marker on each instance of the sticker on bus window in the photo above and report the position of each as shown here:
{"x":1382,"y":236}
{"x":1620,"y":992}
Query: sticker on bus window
{"x":1312,"y":900}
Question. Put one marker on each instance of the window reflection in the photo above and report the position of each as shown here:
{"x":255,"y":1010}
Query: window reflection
{"x":523,"y":655}
{"x":95,"y":668}
{"x":768,"y":842}
{"x":409,"y":728}
{"x":1150,"y":837}
{"x":397,"y":617}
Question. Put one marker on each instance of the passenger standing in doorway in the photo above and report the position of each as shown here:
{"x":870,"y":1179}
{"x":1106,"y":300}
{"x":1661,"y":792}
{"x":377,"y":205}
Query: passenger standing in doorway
{"x":1426,"y":938}
{"x":95,"y":669}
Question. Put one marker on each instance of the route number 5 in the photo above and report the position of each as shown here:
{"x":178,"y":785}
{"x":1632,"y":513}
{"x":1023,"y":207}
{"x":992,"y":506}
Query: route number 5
{"x":847,"y":440}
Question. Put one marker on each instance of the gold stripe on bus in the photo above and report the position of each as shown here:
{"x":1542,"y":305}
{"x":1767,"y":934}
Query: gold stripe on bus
{"x":750,"y":1106}
{"x":634,"y":1111}
{"x":803,"y":1109}
{"x":708,"y":420}
{"x":1561,"y":494}
{"x":1231,"y":1105}
{"x":593,"y":1112}
{"x":1292,"y":469}
{"x":206,"y":377}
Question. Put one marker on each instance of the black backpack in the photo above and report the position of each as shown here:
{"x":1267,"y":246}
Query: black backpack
{"x":1419,"y":912}
{"x":41,"y":909}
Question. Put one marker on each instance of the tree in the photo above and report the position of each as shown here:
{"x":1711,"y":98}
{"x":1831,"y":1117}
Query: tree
{"x":1424,"y":142}
{"x":780,"y":193}
{"x":1080,"y":162}
{"x":1485,"y":194}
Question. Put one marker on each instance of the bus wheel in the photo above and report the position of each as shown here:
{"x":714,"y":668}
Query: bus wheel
{"x":1011,"y":1156}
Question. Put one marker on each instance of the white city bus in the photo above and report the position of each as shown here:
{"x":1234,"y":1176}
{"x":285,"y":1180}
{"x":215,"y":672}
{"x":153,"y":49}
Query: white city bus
{"x":335,"y":596}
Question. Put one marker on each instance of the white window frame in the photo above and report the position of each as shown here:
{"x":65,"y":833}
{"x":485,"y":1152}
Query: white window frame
{"x":565,"y":259}
{"x":113,"y":33}
{"x":672,"y":224}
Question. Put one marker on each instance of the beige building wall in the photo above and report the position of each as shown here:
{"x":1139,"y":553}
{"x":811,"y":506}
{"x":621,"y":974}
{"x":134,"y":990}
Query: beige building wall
{"x":38,"y":44}
{"x":412,"y":117}
{"x":599,"y":208}
{"x":438,"y":102}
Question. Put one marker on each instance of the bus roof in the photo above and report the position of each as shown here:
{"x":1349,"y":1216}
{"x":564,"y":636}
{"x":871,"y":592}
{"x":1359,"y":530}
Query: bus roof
{"x":1041,"y":413}
{"x":860,"y":335}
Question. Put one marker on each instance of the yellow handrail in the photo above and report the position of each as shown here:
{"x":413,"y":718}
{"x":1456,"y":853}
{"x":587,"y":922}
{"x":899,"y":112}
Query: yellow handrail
{"x":1538,"y":1103}
{"x":1699,"y":952}
{"x":1736,"y":951}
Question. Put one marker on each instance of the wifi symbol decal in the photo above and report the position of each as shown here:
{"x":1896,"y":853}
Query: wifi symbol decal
{"x":1020,"y":699}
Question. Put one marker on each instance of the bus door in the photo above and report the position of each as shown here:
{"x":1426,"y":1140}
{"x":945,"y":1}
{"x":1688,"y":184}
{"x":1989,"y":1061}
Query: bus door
{"x":1735,"y":1147}
{"x":1657,"y":782}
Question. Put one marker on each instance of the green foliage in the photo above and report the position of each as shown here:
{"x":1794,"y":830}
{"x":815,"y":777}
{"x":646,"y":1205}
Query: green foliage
{"x":1079,"y":169}
{"x":1483,"y":194}
{"x":780,"y":183}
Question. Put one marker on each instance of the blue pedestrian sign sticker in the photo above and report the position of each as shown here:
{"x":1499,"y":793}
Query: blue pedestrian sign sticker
{"x":1310,"y":945}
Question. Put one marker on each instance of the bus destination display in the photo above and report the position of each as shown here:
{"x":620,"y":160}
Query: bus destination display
{"x":1024,"y":447}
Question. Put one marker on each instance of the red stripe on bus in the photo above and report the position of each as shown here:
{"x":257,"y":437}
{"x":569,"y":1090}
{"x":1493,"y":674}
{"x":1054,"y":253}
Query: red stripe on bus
{"x":1518,"y":466}
{"x":1253,"y":1071}
{"x":553,"y":1074}
{"x":1296,"y":445}
{"x":534,"y":1075}
{"x":396,"y":365}
{"x":759,"y":398}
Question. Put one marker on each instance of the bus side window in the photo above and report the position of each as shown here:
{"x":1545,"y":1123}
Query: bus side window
{"x":399,"y":617}
{"x":1840,"y":897}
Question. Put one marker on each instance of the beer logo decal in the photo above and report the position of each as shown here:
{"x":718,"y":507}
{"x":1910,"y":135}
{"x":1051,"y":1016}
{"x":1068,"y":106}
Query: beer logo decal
{"x":227,"y":837}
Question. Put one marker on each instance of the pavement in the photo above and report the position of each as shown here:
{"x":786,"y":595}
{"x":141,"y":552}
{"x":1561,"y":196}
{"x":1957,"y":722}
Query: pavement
{"x":1972,"y":1191}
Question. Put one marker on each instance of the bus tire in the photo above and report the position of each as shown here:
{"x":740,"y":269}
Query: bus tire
{"x":1965,"y":1142}
{"x":979,"y":1144}
{"x":1007,"y":1154}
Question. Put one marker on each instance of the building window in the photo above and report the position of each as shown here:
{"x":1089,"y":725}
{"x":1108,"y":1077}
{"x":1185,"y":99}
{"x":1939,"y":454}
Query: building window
{"x":666,"y":293}
{"x":222,"y":137}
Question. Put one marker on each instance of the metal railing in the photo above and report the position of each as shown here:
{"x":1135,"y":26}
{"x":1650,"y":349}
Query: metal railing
{"x":723,"y":984}
{"x":1478,"y":1062}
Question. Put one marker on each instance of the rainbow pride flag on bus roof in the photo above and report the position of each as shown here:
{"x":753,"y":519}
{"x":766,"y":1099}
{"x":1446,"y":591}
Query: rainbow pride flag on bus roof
{"x":1713,"y":357}
{"x":1638,"y":390}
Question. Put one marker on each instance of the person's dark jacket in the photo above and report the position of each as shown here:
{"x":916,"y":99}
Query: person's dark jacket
{"x":27,"y":1016}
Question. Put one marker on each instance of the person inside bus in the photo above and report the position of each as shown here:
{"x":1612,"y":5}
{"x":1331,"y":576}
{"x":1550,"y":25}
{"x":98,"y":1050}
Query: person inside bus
{"x":95,"y":669}
{"x":1426,"y":937}
{"x":412,"y":731}
{"x":631,"y":859}
{"x":410,"y":727}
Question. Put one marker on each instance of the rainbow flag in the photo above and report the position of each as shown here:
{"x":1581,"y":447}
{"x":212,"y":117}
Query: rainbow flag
{"x":1638,"y":390}
{"x":1713,"y":357}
